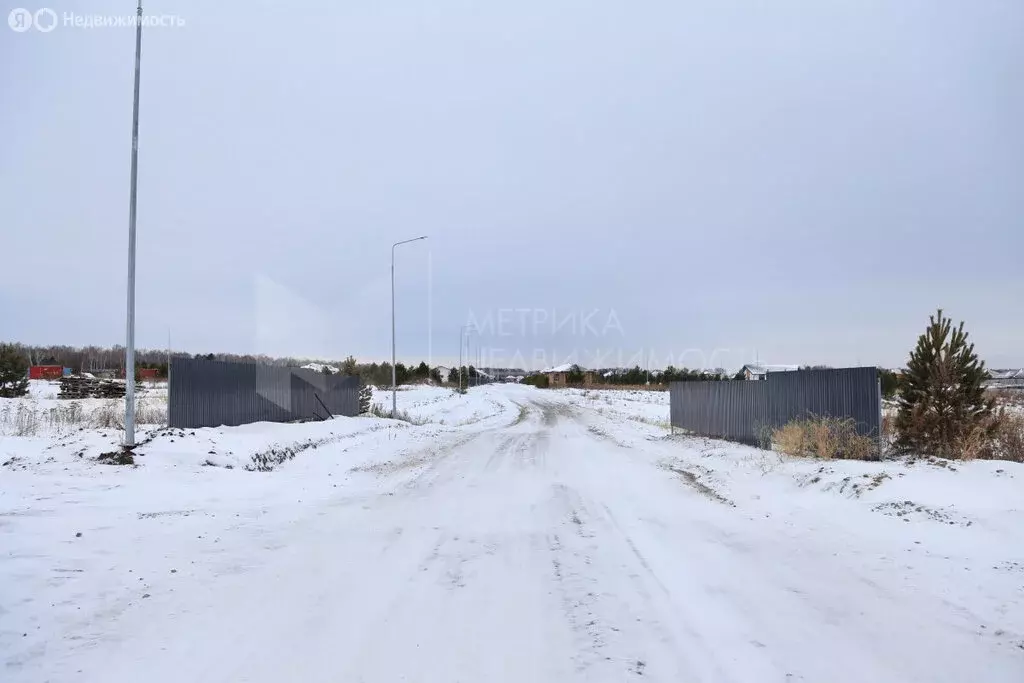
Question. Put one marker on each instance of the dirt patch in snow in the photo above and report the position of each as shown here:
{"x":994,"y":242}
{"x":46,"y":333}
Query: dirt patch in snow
{"x":165,"y":513}
{"x":850,"y":486}
{"x":908,"y":510}
{"x":267,"y":460}
{"x":606,"y":436}
{"x":388,"y":467}
{"x":692,"y":480}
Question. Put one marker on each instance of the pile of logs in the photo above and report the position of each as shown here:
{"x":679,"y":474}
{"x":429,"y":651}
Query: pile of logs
{"x":87,"y":387}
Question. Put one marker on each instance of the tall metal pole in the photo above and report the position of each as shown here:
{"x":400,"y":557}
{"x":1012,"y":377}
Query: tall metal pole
{"x":394,"y":375}
{"x":129,"y":355}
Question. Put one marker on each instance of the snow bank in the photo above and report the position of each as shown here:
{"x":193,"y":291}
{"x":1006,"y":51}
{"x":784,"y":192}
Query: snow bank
{"x":571,"y":515}
{"x":650,"y":407}
{"x":444,"y":406}
{"x":956,"y":505}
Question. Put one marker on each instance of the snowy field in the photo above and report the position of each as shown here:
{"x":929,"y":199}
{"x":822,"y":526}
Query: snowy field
{"x":515,"y":535}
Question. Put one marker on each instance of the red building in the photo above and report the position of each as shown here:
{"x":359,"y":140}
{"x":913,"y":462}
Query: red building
{"x":46,"y":372}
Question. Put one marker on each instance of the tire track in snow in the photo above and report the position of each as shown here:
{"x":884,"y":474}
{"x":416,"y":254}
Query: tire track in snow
{"x":605,"y":595}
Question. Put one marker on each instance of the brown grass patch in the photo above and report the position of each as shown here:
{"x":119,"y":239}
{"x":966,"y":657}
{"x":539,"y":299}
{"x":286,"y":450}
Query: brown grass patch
{"x":1008,"y":443}
{"x":827,"y":438}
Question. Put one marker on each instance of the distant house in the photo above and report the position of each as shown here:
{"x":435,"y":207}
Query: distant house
{"x":1006,"y":379}
{"x":558,"y":376}
{"x":756,"y":371}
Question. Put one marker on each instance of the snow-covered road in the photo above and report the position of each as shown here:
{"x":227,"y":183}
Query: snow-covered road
{"x":558,"y":543}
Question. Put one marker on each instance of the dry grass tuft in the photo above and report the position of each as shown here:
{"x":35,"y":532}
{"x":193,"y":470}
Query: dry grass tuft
{"x":28,"y":418}
{"x":378,"y":410}
{"x":1008,"y":443}
{"x":826,"y":438}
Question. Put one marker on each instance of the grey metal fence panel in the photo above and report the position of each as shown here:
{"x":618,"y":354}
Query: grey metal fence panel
{"x":745,"y":410}
{"x":208,"y":393}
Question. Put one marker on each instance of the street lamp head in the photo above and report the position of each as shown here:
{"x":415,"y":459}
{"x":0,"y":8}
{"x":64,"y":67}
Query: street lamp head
{"x":414,"y":239}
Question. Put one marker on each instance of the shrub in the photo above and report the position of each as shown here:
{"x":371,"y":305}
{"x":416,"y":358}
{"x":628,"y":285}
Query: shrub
{"x":110,"y":415}
{"x":827,"y":438}
{"x":13,"y":371}
{"x":27,"y":418}
{"x":150,"y":413}
{"x":378,"y":410}
{"x":539,"y":381}
{"x":1008,"y":440}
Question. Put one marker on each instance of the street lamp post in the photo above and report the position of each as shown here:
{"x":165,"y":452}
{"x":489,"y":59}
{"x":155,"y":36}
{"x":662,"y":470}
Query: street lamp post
{"x":129,"y":350}
{"x":394,"y":376}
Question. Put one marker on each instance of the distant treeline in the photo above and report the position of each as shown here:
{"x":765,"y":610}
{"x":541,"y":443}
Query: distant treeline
{"x":638,"y":375}
{"x":99,"y":358}
{"x":93,"y":358}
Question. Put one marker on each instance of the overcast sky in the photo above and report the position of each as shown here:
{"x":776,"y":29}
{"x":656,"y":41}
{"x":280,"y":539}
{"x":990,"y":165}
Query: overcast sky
{"x":692,"y":182}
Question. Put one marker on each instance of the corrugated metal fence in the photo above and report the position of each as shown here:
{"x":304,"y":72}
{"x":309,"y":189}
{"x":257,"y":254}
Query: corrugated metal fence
{"x":210,"y":393}
{"x":745,"y":410}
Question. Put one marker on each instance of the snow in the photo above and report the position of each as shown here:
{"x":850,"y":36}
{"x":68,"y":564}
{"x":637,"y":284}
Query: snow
{"x":43,"y":388}
{"x":564,"y":367}
{"x":516,"y":535}
{"x":763,"y":369}
{"x":319,"y":367}
{"x":444,"y":406}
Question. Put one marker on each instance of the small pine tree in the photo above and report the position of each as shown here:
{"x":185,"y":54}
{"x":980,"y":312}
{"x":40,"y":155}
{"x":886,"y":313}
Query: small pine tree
{"x":575,"y":375}
{"x":13,"y":372}
{"x":365,"y":397}
{"x":890,"y":382}
{"x":348,"y":366}
{"x":422,"y":371}
{"x":942,"y":404}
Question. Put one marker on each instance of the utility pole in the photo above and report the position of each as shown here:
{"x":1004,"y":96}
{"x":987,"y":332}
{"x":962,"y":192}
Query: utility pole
{"x":129,"y":359}
{"x":394,"y":385}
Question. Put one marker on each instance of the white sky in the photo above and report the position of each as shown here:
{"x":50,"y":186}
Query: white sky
{"x":800,"y":181}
